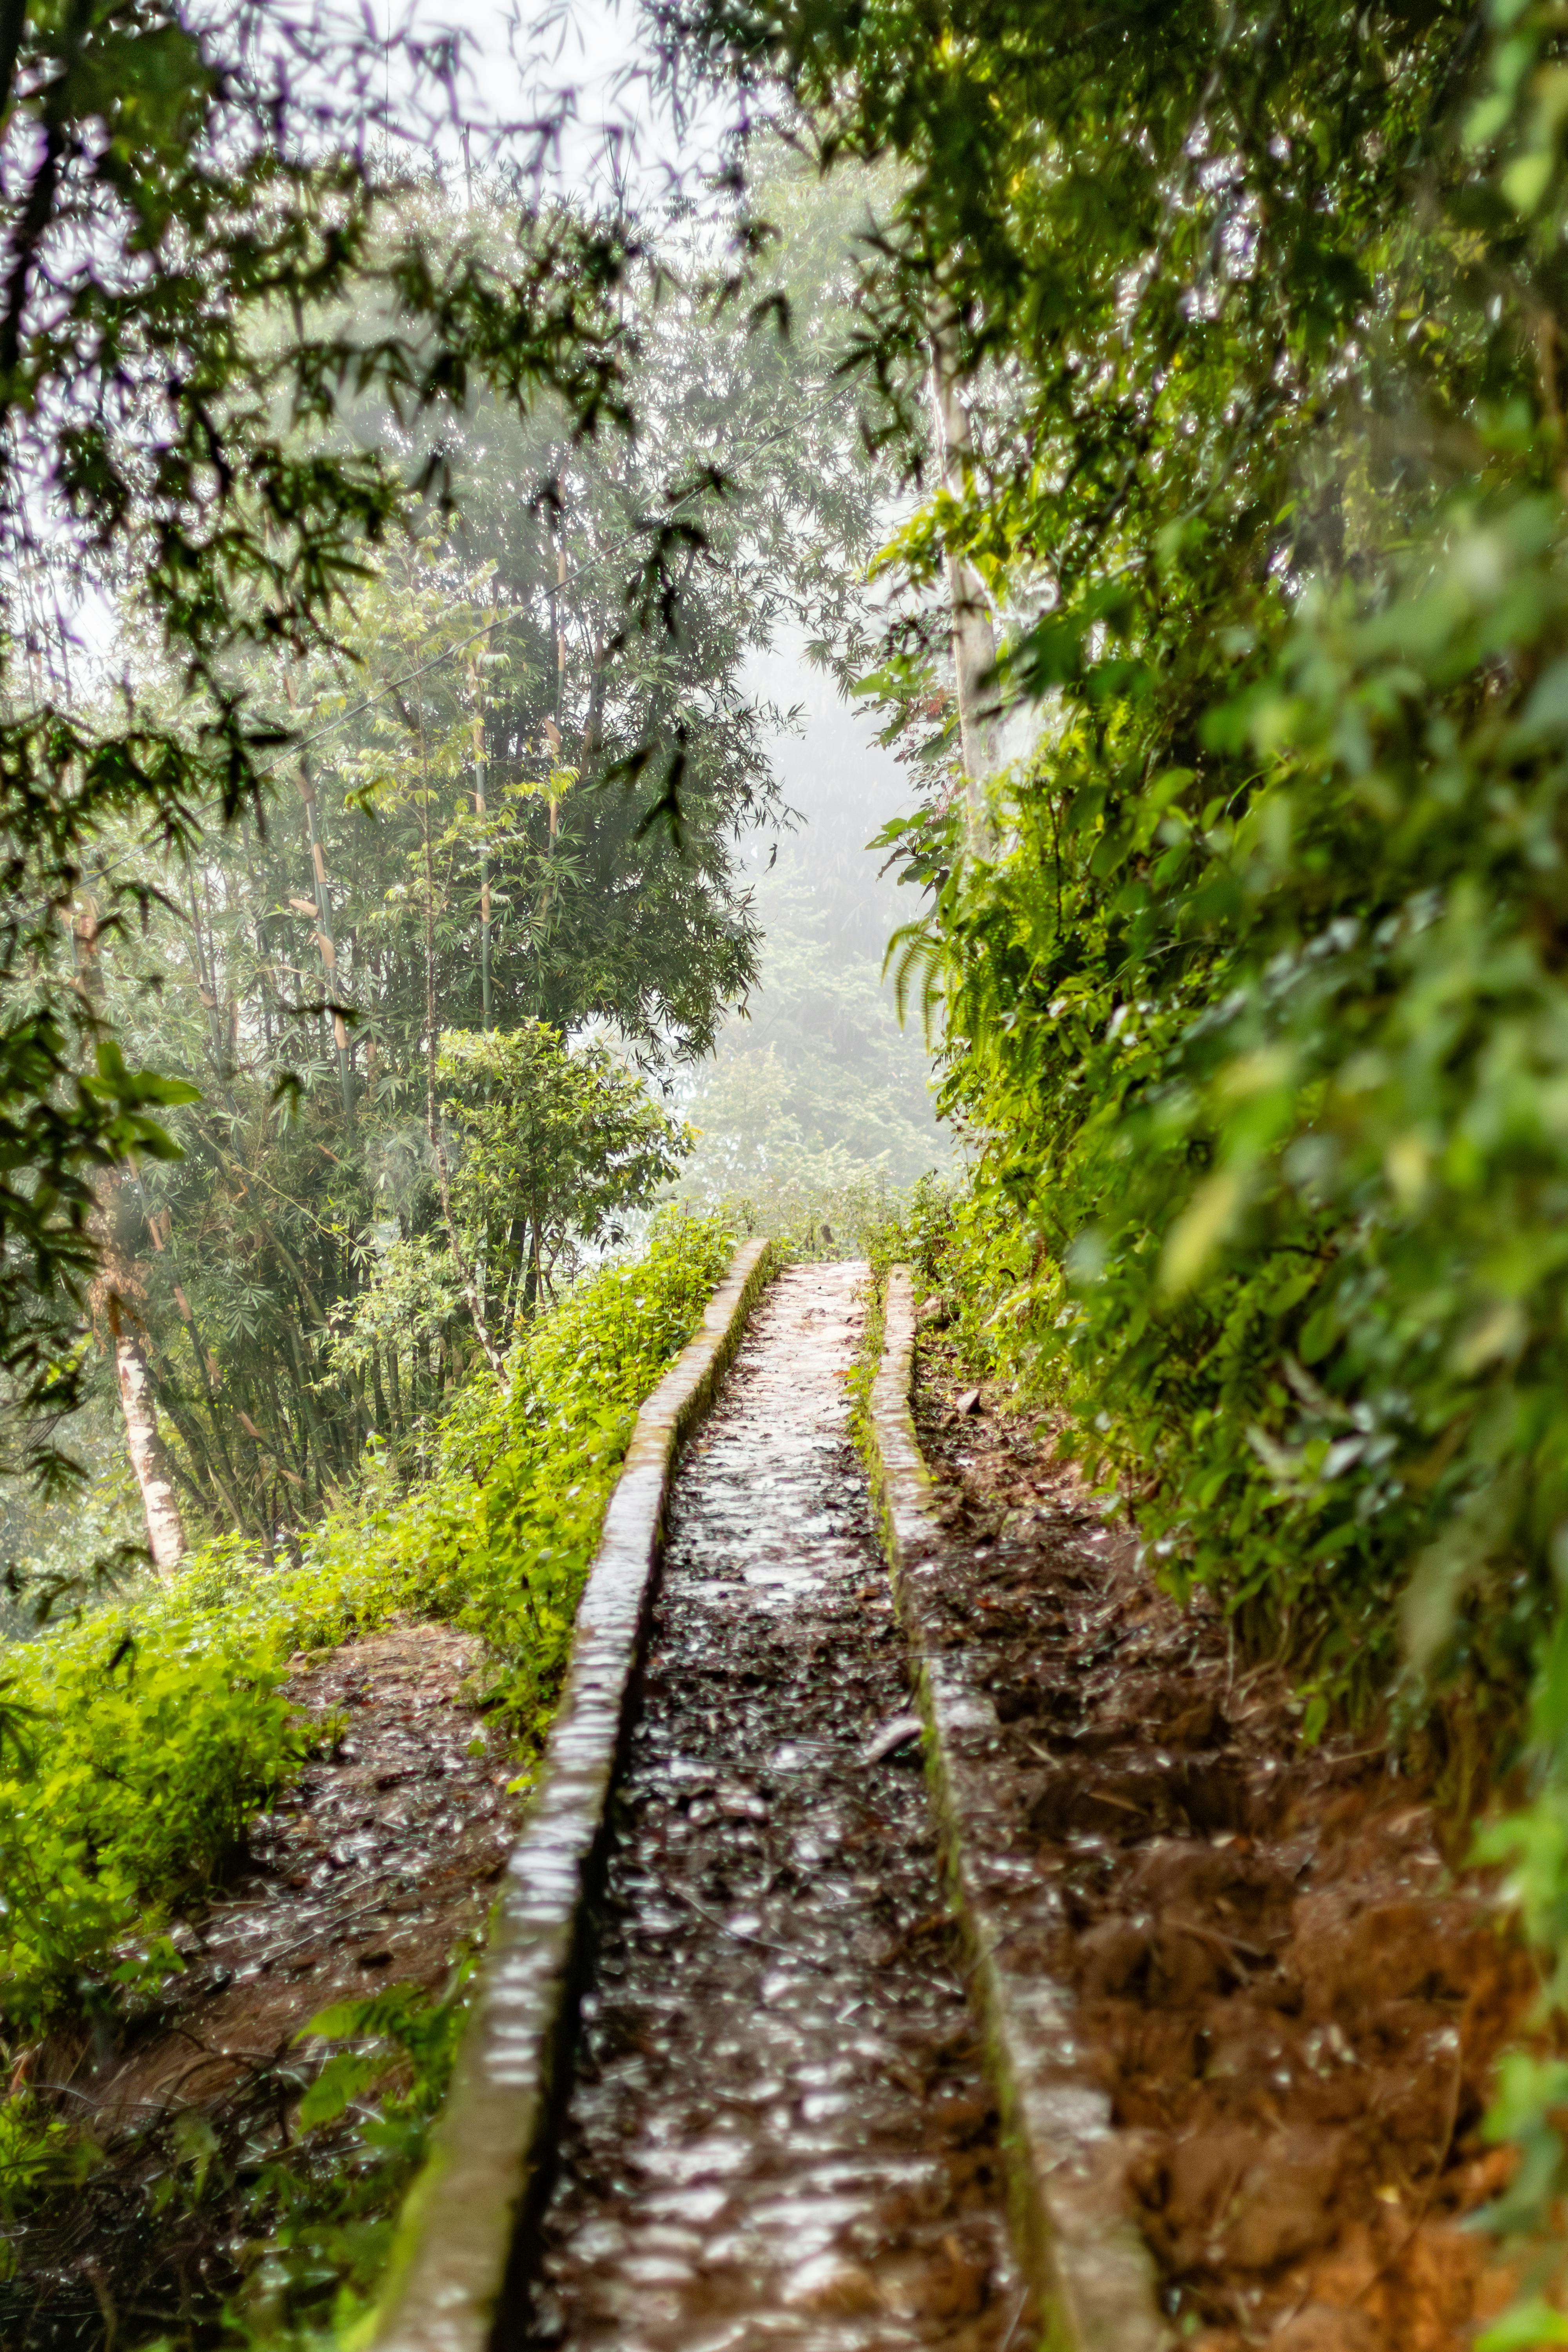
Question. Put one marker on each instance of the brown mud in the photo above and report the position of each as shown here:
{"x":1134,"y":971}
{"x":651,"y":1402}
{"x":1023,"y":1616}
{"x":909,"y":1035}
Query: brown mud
{"x":779,"y":2131}
{"x":1292,"y":2003}
{"x":378,"y":1865}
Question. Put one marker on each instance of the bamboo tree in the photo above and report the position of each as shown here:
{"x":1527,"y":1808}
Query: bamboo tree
{"x":225,"y":1475}
{"x":119,"y":1299}
{"x":493,"y":1356}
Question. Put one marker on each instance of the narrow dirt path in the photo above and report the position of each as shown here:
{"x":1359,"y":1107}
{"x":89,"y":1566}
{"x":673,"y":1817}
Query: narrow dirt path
{"x":779,"y":2131}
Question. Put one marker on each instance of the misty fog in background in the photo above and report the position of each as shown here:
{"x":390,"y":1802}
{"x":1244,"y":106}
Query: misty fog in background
{"x":816,"y":1087}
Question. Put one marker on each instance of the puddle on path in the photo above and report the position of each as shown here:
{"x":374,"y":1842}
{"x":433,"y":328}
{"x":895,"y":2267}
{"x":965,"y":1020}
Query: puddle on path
{"x":780,"y":2132}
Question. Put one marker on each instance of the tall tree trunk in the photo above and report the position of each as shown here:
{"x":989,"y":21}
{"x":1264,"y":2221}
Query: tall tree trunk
{"x":206,"y":980}
{"x":477,"y":678}
{"x":118,"y":1297}
{"x":399,"y":1419}
{"x":974,"y":638}
{"x":558,"y":615}
{"x":325,"y":942}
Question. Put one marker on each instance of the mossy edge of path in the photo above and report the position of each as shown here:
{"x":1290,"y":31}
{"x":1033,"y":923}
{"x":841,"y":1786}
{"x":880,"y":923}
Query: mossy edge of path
{"x":454,"y":2260}
{"x":1092,"y":2278}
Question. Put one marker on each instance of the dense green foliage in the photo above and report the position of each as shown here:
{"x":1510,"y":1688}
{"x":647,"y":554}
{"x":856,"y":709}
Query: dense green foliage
{"x":194,"y":200}
{"x":1174,"y":275}
{"x":521,"y":806}
{"x":1248,"y":979}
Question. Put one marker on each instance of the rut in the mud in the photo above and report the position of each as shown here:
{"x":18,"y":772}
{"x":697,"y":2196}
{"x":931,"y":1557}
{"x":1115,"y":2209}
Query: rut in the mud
{"x":779,"y":2129}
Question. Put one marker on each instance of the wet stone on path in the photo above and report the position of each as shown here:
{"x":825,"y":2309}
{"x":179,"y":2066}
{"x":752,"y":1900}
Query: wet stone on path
{"x":779,"y":2132}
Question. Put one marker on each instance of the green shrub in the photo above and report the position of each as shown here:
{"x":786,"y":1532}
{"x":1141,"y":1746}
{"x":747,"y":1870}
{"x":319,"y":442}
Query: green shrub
{"x":326,"y":2210}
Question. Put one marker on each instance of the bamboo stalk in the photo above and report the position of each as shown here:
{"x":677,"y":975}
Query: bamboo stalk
{"x":476,"y":675}
{"x":119,"y":1296}
{"x":325,"y":942}
{"x":974,"y":637}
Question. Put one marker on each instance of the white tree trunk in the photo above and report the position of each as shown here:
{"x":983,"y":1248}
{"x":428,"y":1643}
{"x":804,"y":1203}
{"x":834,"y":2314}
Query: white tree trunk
{"x":117,"y":1296}
{"x":974,"y":638}
{"x":166,"y":1529}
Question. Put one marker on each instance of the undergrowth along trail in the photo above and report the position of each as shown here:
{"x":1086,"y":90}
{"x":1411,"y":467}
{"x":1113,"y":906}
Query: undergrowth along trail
{"x":141,"y":1740}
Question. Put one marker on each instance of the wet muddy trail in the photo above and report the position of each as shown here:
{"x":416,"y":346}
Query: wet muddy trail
{"x":779,"y":2131}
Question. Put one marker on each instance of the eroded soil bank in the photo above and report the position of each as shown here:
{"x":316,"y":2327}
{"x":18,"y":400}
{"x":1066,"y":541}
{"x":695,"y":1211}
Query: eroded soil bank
{"x":779,"y":2131}
{"x":1293,"y":2006}
{"x":376,"y":1867}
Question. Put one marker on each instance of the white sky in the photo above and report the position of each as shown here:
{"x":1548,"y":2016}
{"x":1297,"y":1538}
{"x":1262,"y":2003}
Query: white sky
{"x":521,"y":54}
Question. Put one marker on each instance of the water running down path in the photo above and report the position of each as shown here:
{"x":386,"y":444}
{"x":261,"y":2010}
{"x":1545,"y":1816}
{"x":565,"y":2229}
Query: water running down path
{"x":779,"y":2132}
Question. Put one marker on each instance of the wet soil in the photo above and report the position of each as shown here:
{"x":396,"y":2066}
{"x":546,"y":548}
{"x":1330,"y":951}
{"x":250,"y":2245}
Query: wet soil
{"x":378,"y":1866}
{"x":1293,"y":2004}
{"x":779,"y":2132}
